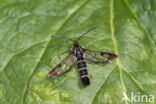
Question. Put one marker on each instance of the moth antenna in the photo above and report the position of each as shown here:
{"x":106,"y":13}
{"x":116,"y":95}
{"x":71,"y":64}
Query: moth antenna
{"x":85,"y":33}
{"x":62,"y":37}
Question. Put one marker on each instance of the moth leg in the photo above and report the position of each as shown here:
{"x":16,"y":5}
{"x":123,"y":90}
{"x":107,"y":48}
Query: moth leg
{"x":75,"y":59}
{"x":90,"y":75}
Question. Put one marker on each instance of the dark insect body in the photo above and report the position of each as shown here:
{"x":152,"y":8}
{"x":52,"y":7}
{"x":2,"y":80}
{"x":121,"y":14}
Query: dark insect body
{"x":79,"y":56}
{"x":81,"y":64}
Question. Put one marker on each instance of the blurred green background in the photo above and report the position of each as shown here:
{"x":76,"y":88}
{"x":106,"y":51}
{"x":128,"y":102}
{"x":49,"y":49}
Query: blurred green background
{"x":28,"y":53}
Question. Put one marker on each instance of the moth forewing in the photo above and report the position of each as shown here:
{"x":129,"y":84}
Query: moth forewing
{"x":99,"y":57}
{"x":62,"y":66}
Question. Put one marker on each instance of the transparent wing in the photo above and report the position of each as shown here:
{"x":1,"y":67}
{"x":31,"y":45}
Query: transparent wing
{"x":63,"y":67}
{"x":99,"y":57}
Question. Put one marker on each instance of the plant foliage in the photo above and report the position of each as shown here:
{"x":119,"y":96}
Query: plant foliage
{"x":28,"y":53}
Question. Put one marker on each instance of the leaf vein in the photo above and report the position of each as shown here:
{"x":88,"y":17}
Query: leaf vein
{"x":140,"y":23}
{"x":115,"y":46}
{"x":65,"y":20}
{"x":100,"y":86}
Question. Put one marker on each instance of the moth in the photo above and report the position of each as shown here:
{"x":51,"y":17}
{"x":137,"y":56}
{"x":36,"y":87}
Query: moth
{"x":78,"y":56}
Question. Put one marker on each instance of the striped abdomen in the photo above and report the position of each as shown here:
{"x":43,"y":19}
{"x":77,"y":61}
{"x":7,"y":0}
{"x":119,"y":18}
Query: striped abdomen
{"x":81,"y":64}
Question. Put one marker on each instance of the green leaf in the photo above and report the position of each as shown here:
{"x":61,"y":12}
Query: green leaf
{"x":28,"y":53}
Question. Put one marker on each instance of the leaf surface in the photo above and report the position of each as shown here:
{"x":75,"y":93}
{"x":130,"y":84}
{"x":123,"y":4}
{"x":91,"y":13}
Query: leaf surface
{"x":28,"y":53}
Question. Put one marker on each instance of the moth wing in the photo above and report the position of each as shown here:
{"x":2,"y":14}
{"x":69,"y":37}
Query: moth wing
{"x":99,"y":57}
{"x":63,"y":67}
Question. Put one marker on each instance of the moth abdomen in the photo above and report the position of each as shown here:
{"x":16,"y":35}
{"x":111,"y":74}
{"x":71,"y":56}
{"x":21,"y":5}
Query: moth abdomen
{"x":81,"y":64}
{"x":83,"y":72}
{"x":85,"y":81}
{"x":84,"y":76}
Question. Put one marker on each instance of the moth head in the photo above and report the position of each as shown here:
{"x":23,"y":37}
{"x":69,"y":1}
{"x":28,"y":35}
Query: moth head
{"x":76,"y":44}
